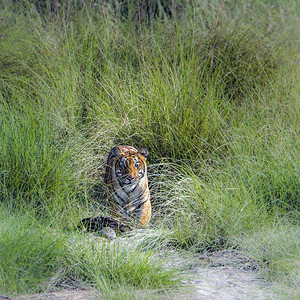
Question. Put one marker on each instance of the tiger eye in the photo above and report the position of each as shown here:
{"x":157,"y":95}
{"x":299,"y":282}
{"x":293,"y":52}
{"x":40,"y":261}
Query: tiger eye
{"x":122,"y":165}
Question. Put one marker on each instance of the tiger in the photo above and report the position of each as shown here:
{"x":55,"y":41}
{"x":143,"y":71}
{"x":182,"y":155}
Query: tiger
{"x":127,"y":183}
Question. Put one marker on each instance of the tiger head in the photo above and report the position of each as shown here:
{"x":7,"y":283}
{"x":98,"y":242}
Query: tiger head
{"x":128,"y":164}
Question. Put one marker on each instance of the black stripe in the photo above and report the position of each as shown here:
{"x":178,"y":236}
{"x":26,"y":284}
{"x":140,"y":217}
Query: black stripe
{"x":124,"y":211}
{"x":121,"y":186}
{"x":134,"y":188}
{"x":139,"y":197}
{"x":119,"y":197}
{"x":140,"y":194}
{"x":119,"y":179}
{"x":140,"y":204}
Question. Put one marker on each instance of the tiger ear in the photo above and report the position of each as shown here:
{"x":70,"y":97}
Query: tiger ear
{"x":115,"y":151}
{"x":144,"y":152}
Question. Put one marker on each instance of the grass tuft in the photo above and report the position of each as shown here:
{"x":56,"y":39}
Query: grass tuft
{"x":209,"y":87}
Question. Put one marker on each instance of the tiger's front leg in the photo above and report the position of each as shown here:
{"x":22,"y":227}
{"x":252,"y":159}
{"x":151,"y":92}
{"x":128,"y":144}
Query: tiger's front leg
{"x":144,"y":214}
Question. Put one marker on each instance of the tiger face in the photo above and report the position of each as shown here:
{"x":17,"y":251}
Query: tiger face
{"x":127,"y":182}
{"x":131,"y":168}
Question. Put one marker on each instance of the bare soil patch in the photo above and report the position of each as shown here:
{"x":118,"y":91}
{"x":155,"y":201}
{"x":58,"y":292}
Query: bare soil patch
{"x":229,"y":275}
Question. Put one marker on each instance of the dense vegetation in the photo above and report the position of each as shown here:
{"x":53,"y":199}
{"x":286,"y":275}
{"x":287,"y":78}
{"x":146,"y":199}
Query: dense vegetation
{"x":209,"y":87}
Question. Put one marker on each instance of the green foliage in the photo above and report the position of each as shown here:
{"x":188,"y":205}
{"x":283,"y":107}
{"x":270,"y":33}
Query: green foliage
{"x":240,"y":193}
{"x":109,"y":265}
{"x":209,"y":87}
{"x":34,"y":257}
{"x":37,"y":171}
{"x":30,"y":255}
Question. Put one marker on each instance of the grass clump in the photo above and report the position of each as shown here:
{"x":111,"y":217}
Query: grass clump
{"x":35,"y":258}
{"x":108,"y":266}
{"x":30,"y":255}
{"x":210,"y":90}
{"x":37,"y":171}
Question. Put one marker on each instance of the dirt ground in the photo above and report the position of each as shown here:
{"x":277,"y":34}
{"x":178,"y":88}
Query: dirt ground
{"x":220,"y":275}
{"x":229,"y":275}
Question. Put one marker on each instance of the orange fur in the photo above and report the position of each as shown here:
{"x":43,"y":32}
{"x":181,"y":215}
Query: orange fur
{"x":127,"y":182}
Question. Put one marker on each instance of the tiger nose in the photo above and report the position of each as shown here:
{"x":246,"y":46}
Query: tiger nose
{"x":130,"y":177}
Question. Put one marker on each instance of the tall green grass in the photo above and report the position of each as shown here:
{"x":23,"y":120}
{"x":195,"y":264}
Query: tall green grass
{"x":30,"y":255}
{"x":240,"y":193}
{"x":211,"y":90}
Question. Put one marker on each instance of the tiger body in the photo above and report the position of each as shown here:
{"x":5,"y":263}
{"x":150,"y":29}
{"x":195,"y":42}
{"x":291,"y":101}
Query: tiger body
{"x":127,"y":182}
